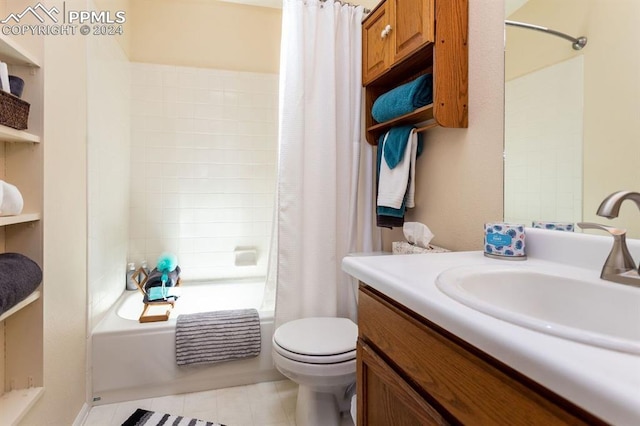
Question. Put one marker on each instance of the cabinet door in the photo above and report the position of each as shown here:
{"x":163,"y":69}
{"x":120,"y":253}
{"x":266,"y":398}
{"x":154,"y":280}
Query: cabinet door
{"x":384,"y":398}
{"x":413,"y":26}
{"x":376,"y":54}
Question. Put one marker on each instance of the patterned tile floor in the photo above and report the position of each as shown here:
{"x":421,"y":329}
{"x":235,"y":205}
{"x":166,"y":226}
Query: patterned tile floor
{"x":261,"y":404}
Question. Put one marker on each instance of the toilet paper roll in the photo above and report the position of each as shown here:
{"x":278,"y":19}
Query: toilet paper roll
{"x":417,"y":234}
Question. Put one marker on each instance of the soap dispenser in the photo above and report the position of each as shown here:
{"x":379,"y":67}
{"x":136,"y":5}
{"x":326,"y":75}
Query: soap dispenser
{"x":130,"y":283}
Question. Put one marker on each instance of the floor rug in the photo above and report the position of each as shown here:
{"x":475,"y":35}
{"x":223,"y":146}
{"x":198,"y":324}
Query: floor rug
{"x":151,"y":418}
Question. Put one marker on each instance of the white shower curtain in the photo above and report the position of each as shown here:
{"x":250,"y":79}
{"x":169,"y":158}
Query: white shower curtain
{"x":320,"y":136}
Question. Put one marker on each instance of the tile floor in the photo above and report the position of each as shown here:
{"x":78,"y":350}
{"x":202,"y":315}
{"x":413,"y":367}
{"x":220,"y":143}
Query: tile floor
{"x":261,"y":404}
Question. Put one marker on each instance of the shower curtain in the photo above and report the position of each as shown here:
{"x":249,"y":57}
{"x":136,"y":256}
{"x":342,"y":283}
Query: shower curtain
{"x":320,"y":141}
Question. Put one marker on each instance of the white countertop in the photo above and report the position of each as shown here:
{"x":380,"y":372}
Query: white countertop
{"x":603,"y":382}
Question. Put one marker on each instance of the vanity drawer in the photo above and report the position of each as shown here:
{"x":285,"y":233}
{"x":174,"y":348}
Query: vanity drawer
{"x":465,"y":384}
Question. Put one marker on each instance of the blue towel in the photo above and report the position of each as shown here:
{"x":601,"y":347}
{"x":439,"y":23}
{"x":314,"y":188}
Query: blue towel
{"x":396,"y":144}
{"x":403,"y":99}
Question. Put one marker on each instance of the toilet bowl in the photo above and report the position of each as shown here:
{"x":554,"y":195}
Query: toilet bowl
{"x":319,"y":354}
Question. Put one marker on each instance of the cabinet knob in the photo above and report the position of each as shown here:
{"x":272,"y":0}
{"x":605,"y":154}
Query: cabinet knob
{"x":386,"y":31}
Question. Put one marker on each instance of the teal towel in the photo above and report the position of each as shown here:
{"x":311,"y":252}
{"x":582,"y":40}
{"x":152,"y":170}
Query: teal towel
{"x":403,"y":99}
{"x":396,"y":144}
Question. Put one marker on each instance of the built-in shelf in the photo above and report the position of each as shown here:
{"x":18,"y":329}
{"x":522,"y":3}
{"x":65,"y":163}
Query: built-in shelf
{"x":419,"y":115}
{"x":15,"y":404}
{"x":29,"y":299}
{"x":8,"y":134}
{"x":21,"y":218}
{"x":12,"y":53}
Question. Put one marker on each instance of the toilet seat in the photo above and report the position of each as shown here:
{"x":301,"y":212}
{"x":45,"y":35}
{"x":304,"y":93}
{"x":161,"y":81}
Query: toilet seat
{"x":317,"y":340}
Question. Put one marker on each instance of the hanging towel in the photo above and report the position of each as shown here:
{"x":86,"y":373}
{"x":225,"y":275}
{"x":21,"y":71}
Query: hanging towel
{"x":19,"y":277}
{"x":403,"y":99}
{"x":209,"y":337}
{"x":395,"y":183}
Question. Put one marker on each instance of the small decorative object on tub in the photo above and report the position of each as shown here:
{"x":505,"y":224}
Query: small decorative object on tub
{"x":209,"y":337}
{"x":504,"y":241}
{"x":165,"y":274}
{"x":11,"y":201}
{"x":403,"y":99}
{"x":19,"y":277}
{"x":553,"y":226}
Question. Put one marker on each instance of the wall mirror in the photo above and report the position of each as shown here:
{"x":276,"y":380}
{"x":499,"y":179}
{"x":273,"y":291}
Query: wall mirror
{"x":572,"y":133}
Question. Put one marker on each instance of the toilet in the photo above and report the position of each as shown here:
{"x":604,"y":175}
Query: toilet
{"x":319,"y":354}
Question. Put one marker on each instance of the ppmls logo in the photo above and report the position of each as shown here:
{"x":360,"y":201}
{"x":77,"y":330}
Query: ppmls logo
{"x":33,"y":11}
{"x":83,"y":21}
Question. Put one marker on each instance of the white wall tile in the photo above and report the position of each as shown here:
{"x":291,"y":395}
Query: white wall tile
{"x":207,"y":163}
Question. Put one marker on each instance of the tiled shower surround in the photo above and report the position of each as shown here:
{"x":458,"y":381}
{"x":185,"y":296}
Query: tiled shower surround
{"x":203,"y":167}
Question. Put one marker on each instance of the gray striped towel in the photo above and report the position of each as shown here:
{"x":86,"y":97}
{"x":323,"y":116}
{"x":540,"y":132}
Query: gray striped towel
{"x":209,"y":337}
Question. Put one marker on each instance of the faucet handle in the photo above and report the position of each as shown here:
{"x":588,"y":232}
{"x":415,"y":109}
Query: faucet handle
{"x":615,"y":232}
{"x":619,"y":260}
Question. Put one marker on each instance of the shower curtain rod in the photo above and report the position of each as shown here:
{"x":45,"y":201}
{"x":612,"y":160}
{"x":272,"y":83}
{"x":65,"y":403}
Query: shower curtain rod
{"x":577,"y":43}
{"x":345,"y":3}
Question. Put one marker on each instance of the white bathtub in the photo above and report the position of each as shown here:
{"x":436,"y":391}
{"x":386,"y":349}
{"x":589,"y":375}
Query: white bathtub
{"x":131,"y":360}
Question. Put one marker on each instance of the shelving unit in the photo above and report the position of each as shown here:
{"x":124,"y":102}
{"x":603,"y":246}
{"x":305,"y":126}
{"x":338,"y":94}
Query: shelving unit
{"x":443,"y":54}
{"x":22,"y":157}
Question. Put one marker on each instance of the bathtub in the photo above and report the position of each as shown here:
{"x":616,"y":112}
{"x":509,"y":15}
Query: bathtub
{"x":132,"y":360}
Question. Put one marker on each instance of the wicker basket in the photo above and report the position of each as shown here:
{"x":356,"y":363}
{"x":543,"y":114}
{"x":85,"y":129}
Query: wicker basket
{"x":14,"y":112}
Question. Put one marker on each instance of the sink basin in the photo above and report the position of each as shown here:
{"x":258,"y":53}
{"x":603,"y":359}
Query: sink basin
{"x":587,"y":310}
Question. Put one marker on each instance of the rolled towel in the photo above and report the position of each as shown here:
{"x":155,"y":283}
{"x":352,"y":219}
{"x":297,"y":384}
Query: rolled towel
{"x":403,"y":99}
{"x":11,"y":201}
{"x":19,"y":277}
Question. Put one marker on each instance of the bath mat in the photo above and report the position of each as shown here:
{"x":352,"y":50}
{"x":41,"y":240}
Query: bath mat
{"x":151,"y":418}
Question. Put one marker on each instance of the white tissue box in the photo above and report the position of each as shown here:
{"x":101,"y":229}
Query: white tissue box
{"x":403,"y":247}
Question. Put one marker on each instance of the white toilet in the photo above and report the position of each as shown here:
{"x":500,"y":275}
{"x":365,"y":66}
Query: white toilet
{"x":319,"y":354}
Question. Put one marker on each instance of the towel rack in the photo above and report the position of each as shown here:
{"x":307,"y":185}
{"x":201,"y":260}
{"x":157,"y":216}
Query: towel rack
{"x":427,"y":127}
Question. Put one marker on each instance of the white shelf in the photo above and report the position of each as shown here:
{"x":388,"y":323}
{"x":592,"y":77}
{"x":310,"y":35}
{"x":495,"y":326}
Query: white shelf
{"x":30,"y":299}
{"x":8,"y":134}
{"x":15,"y":404}
{"x":21,"y":218}
{"x":12,"y":53}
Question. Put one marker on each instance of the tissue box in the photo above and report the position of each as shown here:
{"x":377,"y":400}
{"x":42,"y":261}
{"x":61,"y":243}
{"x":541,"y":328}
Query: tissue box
{"x":403,"y":247}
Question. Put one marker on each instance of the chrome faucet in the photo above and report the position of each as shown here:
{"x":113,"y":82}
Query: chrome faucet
{"x":619,"y":266}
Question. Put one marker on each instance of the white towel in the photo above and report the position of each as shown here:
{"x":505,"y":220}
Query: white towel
{"x":4,"y":77}
{"x":11,"y":202}
{"x":394,"y":183}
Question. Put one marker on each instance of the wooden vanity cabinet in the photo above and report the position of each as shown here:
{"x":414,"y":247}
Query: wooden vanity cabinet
{"x":412,"y":372}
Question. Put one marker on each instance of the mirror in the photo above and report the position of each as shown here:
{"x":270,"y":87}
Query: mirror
{"x":572,"y":133}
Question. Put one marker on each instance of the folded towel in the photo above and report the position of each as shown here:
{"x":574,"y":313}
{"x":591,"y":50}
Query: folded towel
{"x":403,"y":99}
{"x":19,"y":277}
{"x":395,"y":184}
{"x":209,"y":337}
{"x":11,"y":201}
{"x":159,"y":293}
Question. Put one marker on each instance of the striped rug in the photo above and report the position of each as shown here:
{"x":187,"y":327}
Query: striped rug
{"x":151,"y":418}
{"x":217,"y":336}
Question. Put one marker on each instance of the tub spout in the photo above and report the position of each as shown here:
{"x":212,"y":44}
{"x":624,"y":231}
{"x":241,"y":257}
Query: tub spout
{"x":610,"y":206}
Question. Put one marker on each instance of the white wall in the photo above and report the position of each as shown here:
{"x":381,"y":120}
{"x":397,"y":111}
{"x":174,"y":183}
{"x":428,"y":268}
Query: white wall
{"x":543,"y":127}
{"x":108,"y":148}
{"x":204,"y":148}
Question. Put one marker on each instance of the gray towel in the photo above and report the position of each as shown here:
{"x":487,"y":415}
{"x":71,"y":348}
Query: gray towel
{"x":19,"y":277}
{"x":209,"y":337}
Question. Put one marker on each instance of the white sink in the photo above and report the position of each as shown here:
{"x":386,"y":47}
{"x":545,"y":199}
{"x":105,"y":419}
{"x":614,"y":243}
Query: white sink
{"x":587,"y":310}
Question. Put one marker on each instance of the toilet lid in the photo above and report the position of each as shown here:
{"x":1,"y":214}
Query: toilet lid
{"x":318,"y":337}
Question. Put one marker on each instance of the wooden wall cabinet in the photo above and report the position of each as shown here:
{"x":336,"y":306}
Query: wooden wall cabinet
{"x":412,"y":372}
{"x":403,"y":39}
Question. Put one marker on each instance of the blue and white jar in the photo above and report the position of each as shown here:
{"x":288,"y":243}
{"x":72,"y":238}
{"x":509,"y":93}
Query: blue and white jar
{"x":504,"y":240}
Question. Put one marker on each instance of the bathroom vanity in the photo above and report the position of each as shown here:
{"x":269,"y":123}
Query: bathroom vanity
{"x":425,"y":358}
